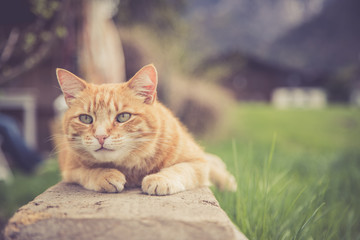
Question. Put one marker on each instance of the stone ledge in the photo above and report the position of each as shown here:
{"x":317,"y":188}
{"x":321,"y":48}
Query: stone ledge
{"x":67,"y":211}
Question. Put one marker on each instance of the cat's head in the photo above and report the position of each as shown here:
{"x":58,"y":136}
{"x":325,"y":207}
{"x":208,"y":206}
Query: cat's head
{"x":109,"y":122}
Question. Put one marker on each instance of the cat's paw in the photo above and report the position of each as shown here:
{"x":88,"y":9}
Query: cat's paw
{"x":108,"y":180}
{"x":156,"y":184}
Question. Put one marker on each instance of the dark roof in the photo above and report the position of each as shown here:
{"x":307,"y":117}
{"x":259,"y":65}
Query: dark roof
{"x":329,"y":41}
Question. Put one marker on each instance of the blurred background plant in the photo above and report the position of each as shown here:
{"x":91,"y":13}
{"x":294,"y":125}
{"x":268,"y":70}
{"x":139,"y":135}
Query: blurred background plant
{"x":235,"y":72}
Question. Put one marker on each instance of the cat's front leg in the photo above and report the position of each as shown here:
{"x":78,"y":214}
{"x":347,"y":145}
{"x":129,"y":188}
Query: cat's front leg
{"x":176,"y":178}
{"x":97,"y":179}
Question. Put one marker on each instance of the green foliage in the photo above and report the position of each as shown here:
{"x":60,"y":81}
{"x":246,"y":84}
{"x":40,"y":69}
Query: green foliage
{"x":45,"y":8}
{"x":301,"y":185}
{"x":26,"y":42}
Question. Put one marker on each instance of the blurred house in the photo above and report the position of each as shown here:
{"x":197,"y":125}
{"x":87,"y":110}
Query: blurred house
{"x":252,"y":79}
{"x":29,"y":99}
{"x":22,"y":102}
{"x":282,"y":46}
{"x":325,"y":43}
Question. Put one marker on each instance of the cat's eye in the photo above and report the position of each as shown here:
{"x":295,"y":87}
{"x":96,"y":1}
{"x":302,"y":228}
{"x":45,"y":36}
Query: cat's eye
{"x":123,"y":117}
{"x":84,"y":118}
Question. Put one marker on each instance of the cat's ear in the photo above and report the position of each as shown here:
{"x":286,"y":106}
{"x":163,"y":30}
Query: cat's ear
{"x":71,"y":85}
{"x":144,"y":83}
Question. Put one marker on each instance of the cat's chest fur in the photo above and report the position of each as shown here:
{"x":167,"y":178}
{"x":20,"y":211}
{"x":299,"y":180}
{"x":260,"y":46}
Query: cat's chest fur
{"x":134,"y":174}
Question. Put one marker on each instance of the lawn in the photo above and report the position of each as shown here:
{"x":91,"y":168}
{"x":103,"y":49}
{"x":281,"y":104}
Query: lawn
{"x":298,"y":173}
{"x":24,"y":187}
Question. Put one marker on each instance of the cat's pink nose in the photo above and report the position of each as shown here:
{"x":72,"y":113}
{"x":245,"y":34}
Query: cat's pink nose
{"x":101,"y":139}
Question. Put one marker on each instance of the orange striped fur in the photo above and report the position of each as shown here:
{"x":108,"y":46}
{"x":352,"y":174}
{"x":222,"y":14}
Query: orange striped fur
{"x":151,"y":149}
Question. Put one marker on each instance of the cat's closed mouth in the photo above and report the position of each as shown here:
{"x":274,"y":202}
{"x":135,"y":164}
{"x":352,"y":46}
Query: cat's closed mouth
{"x":104,"y":149}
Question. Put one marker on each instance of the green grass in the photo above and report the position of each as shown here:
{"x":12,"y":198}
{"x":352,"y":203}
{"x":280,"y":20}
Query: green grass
{"x":298,"y":172}
{"x":23,"y":188}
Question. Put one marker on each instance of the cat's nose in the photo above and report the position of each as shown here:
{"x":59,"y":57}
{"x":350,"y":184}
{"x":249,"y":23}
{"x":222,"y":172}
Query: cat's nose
{"x":101,"y":139}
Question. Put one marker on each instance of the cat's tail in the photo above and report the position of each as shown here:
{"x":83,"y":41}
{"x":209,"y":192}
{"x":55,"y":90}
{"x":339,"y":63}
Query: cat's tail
{"x":219,"y":176}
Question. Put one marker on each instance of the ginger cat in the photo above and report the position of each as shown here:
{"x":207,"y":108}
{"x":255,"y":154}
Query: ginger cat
{"x":119,"y":135}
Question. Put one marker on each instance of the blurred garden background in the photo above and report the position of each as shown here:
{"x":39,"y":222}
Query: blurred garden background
{"x":271,"y":86}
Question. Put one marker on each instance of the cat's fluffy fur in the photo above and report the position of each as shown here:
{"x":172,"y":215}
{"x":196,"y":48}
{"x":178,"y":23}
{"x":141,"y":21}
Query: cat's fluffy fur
{"x":151,"y":149}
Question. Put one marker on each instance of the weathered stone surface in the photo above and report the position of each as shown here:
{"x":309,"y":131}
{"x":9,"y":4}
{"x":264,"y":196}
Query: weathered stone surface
{"x":67,"y":211}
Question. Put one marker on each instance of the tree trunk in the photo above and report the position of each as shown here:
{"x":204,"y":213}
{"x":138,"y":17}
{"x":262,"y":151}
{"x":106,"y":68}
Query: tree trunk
{"x":101,"y":57}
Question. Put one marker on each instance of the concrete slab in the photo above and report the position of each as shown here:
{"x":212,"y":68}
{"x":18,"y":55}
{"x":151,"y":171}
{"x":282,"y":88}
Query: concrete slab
{"x":67,"y":211}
